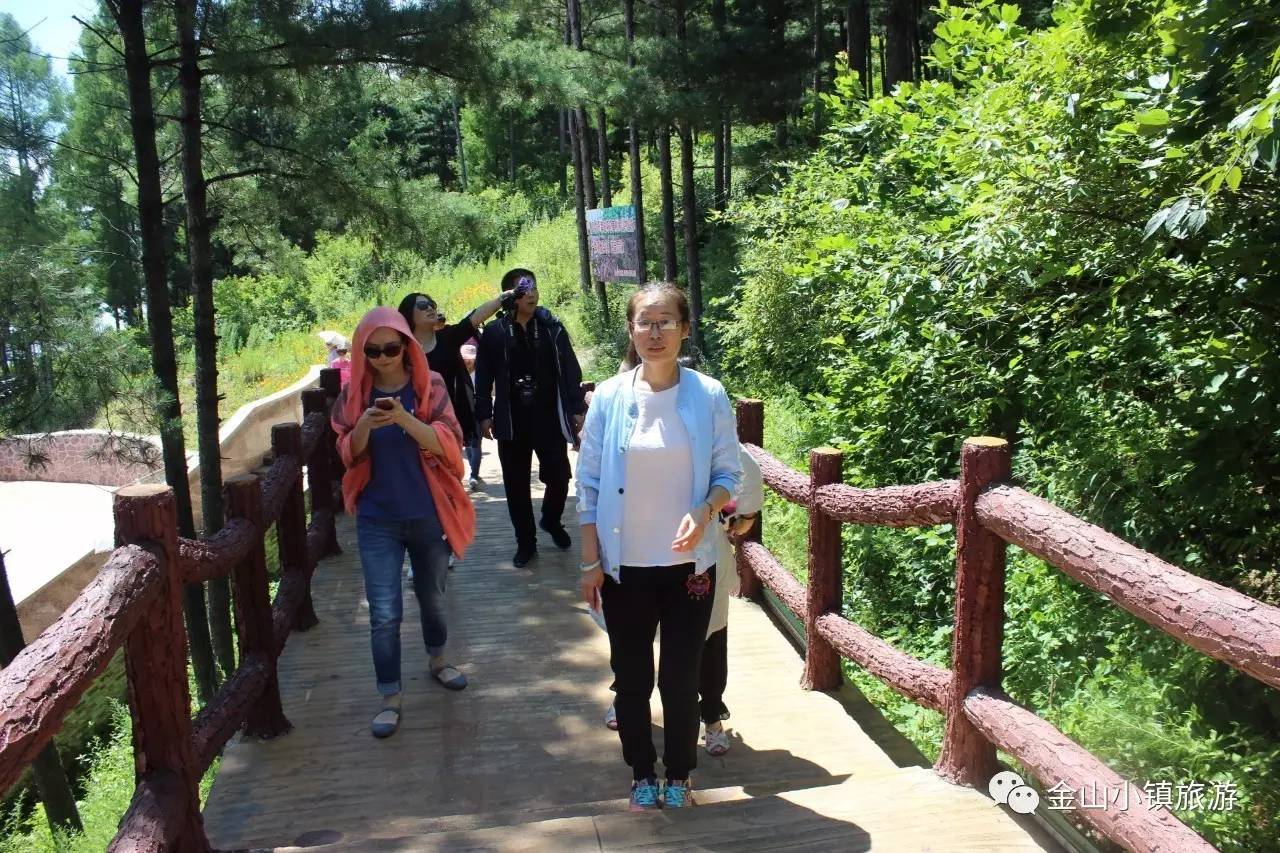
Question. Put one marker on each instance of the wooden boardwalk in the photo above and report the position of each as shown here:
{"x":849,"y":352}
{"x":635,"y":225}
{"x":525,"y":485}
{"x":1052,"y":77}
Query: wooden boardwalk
{"x":521,"y":760}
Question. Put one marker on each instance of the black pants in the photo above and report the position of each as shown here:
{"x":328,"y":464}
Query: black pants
{"x":516,"y":457}
{"x":649,"y":597}
{"x":715,"y":675}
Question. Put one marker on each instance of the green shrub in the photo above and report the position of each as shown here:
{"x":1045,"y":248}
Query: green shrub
{"x":108,"y":767}
{"x":1004,"y":249}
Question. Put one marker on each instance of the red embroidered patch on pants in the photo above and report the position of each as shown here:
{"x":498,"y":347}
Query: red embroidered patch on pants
{"x":698,"y":585}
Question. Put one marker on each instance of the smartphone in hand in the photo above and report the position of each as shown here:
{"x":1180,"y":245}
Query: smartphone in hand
{"x":383,"y":403}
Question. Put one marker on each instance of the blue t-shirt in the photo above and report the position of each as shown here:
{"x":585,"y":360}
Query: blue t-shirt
{"x":397,"y":490}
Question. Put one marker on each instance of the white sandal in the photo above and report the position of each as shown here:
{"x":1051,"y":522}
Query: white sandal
{"x":716,"y":742}
{"x":450,"y":677}
{"x":386,"y":722}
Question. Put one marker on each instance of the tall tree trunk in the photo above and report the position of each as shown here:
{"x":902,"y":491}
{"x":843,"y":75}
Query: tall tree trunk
{"x":899,"y":34}
{"x":689,"y":203}
{"x":858,"y":45}
{"x":561,"y":131}
{"x":717,"y":156}
{"x":47,"y":769}
{"x":669,"y":270}
{"x":884,"y":75}
{"x":580,"y":207}
{"x":688,"y":190}
{"x":780,"y":132}
{"x":462,"y":154}
{"x":164,"y":364}
{"x":584,"y":137}
{"x":637,"y":202}
{"x":818,"y":26}
{"x":717,"y":164}
{"x":602,"y":134}
{"x":633,"y":134}
{"x":584,"y":153}
{"x":728,"y":157}
{"x":200,"y":259}
{"x":511,"y":152}
{"x":916,"y":45}
{"x":566,"y":118}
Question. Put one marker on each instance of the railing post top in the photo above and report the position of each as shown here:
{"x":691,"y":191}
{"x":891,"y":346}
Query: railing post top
{"x":750,"y":417}
{"x":331,"y":380}
{"x":315,"y":400}
{"x":985,"y":459}
{"x":241,"y":483}
{"x":826,"y":466}
{"x":244,"y":497}
{"x":145,"y":511}
{"x":286,"y":436}
{"x":141,"y":491}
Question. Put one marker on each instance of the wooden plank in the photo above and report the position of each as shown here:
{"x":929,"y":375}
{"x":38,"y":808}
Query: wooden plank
{"x":521,"y":759}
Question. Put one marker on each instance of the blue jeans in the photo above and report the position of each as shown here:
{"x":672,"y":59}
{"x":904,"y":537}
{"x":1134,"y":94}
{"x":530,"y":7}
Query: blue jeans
{"x":473,"y":456}
{"x":382,"y":545}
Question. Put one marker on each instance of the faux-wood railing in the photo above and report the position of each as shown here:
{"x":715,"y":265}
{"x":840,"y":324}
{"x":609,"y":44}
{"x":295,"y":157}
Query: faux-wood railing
{"x":987,"y":513}
{"x":135,"y":602}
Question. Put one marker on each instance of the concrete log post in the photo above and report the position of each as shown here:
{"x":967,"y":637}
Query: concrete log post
{"x":291,"y":528}
{"x":266,"y":718}
{"x":156,"y":667}
{"x":331,"y":382}
{"x":967,"y":756}
{"x":825,"y":590}
{"x":750,"y":431}
{"x":320,"y":471}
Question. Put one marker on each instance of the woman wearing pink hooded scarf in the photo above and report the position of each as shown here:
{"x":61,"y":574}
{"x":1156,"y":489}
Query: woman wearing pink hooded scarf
{"x":402,"y":445}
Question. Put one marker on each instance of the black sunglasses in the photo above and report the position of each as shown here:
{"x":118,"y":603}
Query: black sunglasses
{"x":425,"y":305}
{"x":390,"y":350}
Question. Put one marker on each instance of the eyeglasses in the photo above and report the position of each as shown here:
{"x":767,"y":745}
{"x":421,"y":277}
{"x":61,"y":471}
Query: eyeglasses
{"x":644,"y":327}
{"x":390,"y":350}
{"x":425,"y":305}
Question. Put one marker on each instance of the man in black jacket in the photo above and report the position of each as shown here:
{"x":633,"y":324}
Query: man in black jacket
{"x":529,"y":397}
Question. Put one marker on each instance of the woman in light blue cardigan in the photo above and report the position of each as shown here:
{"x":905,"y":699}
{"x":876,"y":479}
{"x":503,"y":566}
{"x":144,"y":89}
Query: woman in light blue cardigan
{"x":659,"y":459}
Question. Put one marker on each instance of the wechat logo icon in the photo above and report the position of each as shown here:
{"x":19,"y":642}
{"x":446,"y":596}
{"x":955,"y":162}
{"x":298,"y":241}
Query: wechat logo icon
{"x":1008,"y":789}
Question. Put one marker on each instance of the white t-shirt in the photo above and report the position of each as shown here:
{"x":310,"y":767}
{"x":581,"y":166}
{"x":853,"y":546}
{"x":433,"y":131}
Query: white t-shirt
{"x":659,"y":481}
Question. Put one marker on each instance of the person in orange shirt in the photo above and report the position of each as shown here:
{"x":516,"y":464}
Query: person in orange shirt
{"x":402,"y":446}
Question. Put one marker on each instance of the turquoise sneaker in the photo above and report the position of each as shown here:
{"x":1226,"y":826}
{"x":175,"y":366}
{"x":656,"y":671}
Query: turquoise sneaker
{"x":677,"y":793}
{"x":644,"y":795}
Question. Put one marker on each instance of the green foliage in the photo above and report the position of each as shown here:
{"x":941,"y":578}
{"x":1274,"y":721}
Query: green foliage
{"x":292,"y":290}
{"x":109,"y":784}
{"x":106,"y":775}
{"x":1032,"y":245}
{"x":58,"y":367}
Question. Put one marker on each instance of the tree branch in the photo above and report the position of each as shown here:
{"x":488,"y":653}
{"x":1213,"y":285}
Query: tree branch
{"x":257,"y":170}
{"x":101,"y":36}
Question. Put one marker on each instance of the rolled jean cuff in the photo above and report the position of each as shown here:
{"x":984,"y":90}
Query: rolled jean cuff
{"x":389,"y":688}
